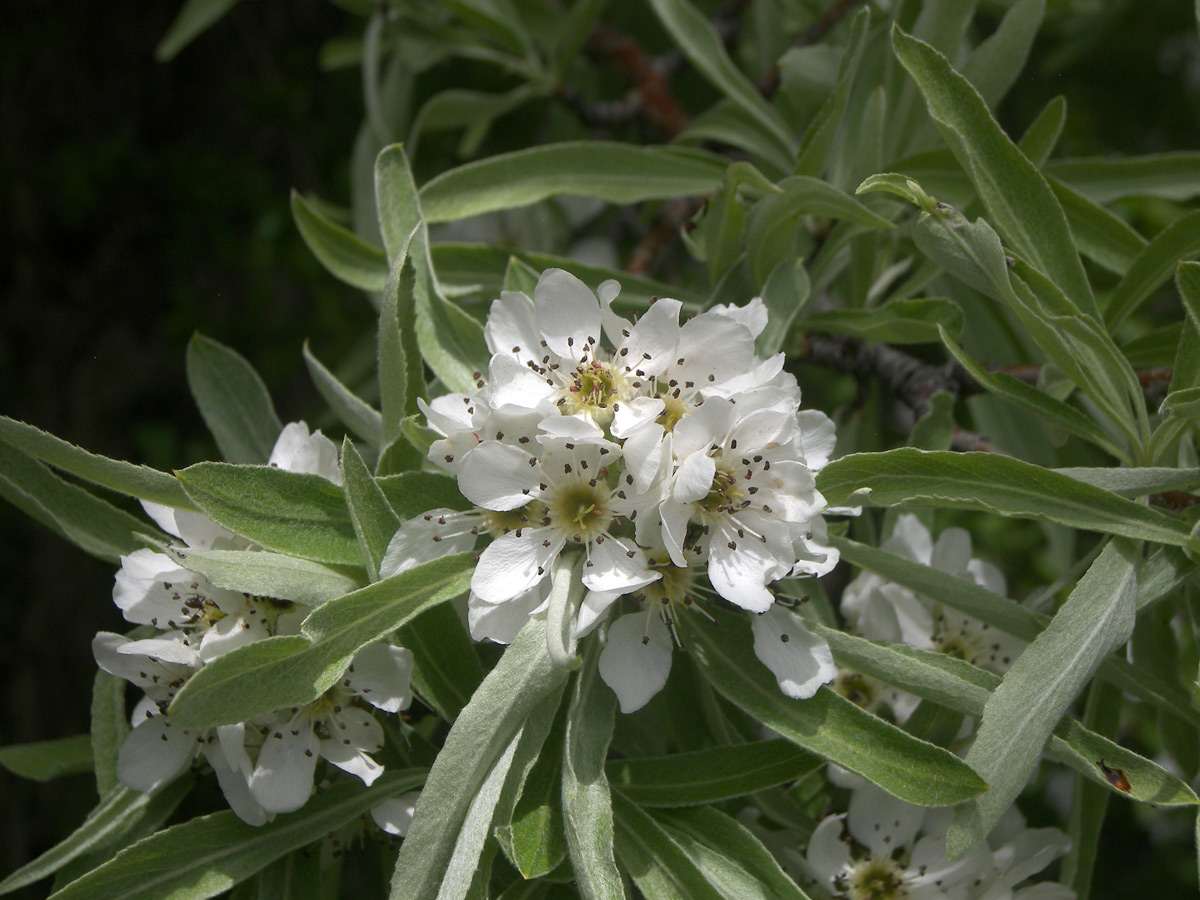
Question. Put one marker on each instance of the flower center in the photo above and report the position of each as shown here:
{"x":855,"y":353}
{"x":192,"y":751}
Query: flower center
{"x":594,"y":389}
{"x":580,"y":509}
{"x":674,"y":409}
{"x":724,"y":495}
{"x":858,"y":689}
{"x":876,"y":879}
{"x":673,"y":587}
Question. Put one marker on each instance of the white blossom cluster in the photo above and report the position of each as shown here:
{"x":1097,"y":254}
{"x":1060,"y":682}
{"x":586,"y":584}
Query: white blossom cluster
{"x":885,"y":849}
{"x":265,"y":766}
{"x":882,"y":610}
{"x":655,"y":459}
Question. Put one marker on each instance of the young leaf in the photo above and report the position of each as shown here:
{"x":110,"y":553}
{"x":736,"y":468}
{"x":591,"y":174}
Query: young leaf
{"x":1173,"y":176}
{"x":47,"y":760}
{"x":658,"y":865}
{"x":292,"y":512}
{"x":291,"y":670}
{"x":196,"y":17}
{"x":1036,"y":225}
{"x":1157,"y":262}
{"x":785,"y":294}
{"x":534,"y":839}
{"x":618,"y":173}
{"x":262,"y":573}
{"x":1096,"y":619}
{"x":992,"y":483}
{"x":1186,"y":373}
{"x":918,"y":321}
{"x":826,"y":724}
{"x":233,"y":401}
{"x":1041,"y":137}
{"x":355,"y":413}
{"x":207,"y":856}
{"x":711,"y":775}
{"x":373,"y":519}
{"x":822,"y":130}
{"x":993,"y":67}
{"x":586,"y":801}
{"x":339,"y":250}
{"x":142,"y":482}
{"x":521,"y":681}
{"x":1100,"y":235}
{"x":94,"y":525}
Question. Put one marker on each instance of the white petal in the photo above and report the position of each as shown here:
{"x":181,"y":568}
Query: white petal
{"x":819,"y":437}
{"x":512,"y":327}
{"x":235,"y":786}
{"x":637,"y":659}
{"x":591,"y":611}
{"x":713,"y":345}
{"x":140,"y":590}
{"x":298,"y":451}
{"x":651,"y":342}
{"x":929,"y":859}
{"x":498,"y":476}
{"x":514,"y":563}
{"x":511,"y":383}
{"x":502,"y":622}
{"x":154,"y":753}
{"x":753,"y":315}
{"x":694,"y":478}
{"x":828,"y":856}
{"x":952,"y":551}
{"x":283,"y":777}
{"x":568,"y":313}
{"x":352,"y":759}
{"x":910,"y":539}
{"x":610,"y":567}
{"x":614,"y":326}
{"x":740,"y":568}
{"x":380,"y":675}
{"x":675,"y":517}
{"x":424,"y":538}
{"x":634,"y":413}
{"x":448,"y":413}
{"x":880,"y":822}
{"x":396,"y":814}
{"x":800,"y":661}
{"x":197,"y":530}
{"x":988,"y":576}
{"x":703,"y":427}
{"x":1029,"y":852}
{"x":229,"y":633}
{"x":164,"y":650}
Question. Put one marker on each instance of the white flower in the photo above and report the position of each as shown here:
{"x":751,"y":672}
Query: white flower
{"x":296,"y":450}
{"x":334,"y":727}
{"x":881,"y":610}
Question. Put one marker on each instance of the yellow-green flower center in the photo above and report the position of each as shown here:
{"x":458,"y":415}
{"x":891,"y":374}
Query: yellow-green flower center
{"x":596,"y":386}
{"x":580,"y":508}
{"x":876,"y":879}
{"x":725,"y":494}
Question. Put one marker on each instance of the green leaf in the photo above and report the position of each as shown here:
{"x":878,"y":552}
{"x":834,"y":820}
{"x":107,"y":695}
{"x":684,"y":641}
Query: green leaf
{"x":586,"y":800}
{"x":658,"y":865}
{"x":991,"y":483}
{"x":142,"y":482}
{"x":1016,"y":196}
{"x":412,"y":493}
{"x":499,"y":20}
{"x":900,"y":321}
{"x":1023,"y":711}
{"x":1186,"y":372}
{"x":534,"y":839}
{"x":47,"y":760}
{"x":1036,"y":401}
{"x":727,"y":122}
{"x":291,"y":670}
{"x":206,"y":856}
{"x":373,"y":519}
{"x":109,"y":728}
{"x":822,"y":131}
{"x":196,"y":17}
{"x":712,"y":775}
{"x":902,"y":186}
{"x":293,"y":512}
{"x":826,"y":724}
{"x":1136,"y":482}
{"x":262,"y":573}
{"x":1041,"y":137}
{"x":1157,"y":262}
{"x":233,"y":401}
{"x":696,"y":37}
{"x":345,"y":255}
{"x":354,"y":412}
{"x":94,"y":525}
{"x":1185,"y":403}
{"x":785,"y":294}
{"x":447,"y":671}
{"x":1089,"y":801}
{"x":993,"y":67}
{"x":729,"y":853}
{"x":522,"y":679}
{"x":1173,"y":176}
{"x":935,"y":429}
{"x":618,"y":173}
{"x":119,"y":814}
{"x":1100,"y":235}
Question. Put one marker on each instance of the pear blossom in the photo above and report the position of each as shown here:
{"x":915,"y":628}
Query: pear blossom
{"x":881,"y":610}
{"x":885,"y":849}
{"x":658,"y":461}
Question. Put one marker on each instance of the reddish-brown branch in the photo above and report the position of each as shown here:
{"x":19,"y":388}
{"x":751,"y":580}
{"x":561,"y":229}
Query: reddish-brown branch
{"x":658,"y":103}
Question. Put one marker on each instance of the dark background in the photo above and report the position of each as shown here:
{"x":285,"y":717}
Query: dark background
{"x":140,"y":202}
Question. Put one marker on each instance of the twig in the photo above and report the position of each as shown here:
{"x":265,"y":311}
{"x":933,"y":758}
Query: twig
{"x":674,"y":215}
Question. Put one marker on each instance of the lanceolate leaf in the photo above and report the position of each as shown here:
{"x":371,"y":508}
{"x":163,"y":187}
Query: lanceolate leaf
{"x":266,"y":574}
{"x":586,"y":801}
{"x":994,"y":65}
{"x":712,"y":775}
{"x":446,"y":671}
{"x":295,"y":669}
{"x":992,"y":483}
{"x":821,"y":132}
{"x":345,"y":255}
{"x":207,"y":856}
{"x":827,"y":724}
{"x":90,"y":523}
{"x":116,"y":475}
{"x":374,"y":521}
{"x":356,"y":414}
{"x":1157,"y":262}
{"x":1022,"y":712}
{"x":1034,"y":225}
{"x":659,"y":866}
{"x":292,"y":512}
{"x":618,"y":173}
{"x":233,"y":401}
{"x":47,"y":760}
{"x":522,"y":680}
{"x":901,"y":321}
{"x":1174,"y":176}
